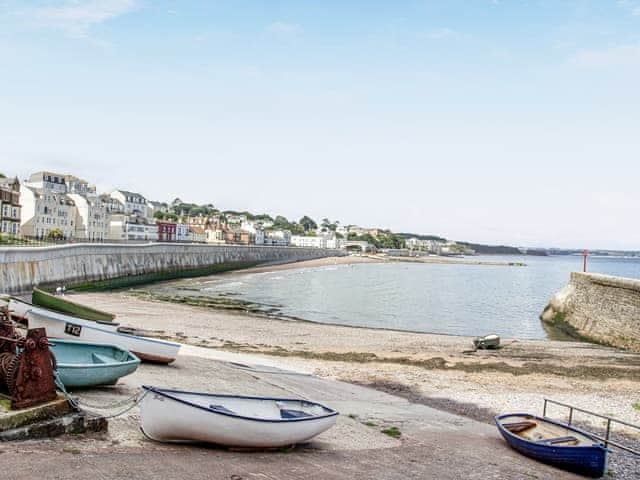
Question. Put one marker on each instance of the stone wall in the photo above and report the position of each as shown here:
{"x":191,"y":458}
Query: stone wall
{"x":600,"y":308}
{"x":22,"y":268}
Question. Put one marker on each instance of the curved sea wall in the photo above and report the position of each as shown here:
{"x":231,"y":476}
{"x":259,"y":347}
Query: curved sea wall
{"x":23,"y":268}
{"x":600,"y":308}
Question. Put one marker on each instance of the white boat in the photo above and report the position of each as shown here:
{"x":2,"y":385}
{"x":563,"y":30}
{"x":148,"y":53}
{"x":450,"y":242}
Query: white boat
{"x":18,"y":309}
{"x":231,"y":420}
{"x":59,"y":325}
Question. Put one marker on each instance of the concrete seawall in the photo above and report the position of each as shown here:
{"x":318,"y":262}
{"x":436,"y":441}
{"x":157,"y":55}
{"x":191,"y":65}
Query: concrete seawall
{"x":23,"y":268}
{"x":601,"y":308}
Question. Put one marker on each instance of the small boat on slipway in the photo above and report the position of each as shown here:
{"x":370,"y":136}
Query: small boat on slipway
{"x":231,"y":420}
{"x":555,"y":443}
{"x":63,"y":326}
{"x":63,"y":305}
{"x":81,"y":364}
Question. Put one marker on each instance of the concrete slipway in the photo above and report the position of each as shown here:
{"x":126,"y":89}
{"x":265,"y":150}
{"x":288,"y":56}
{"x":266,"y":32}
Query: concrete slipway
{"x":434,"y":444}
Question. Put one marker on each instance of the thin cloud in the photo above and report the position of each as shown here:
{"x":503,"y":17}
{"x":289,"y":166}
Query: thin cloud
{"x":441,"y":33}
{"x":75,"y":17}
{"x":618,"y":56}
{"x":284,"y":31}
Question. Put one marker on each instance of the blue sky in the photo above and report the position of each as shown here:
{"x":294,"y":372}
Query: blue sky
{"x":510,"y":122}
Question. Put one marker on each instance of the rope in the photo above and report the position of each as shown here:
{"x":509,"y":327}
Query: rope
{"x":134,"y":400}
{"x":630,"y":455}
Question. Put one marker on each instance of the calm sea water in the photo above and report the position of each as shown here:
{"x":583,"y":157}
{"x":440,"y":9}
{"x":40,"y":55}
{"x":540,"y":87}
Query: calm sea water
{"x":450,"y":299}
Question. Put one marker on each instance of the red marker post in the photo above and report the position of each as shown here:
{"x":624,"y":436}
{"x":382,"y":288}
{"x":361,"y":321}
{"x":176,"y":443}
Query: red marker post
{"x":585,"y":254}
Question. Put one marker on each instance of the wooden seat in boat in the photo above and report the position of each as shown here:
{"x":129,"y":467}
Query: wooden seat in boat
{"x":517,"y":427}
{"x":555,"y":441}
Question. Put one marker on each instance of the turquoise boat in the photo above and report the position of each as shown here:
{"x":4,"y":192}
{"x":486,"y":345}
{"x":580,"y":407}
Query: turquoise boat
{"x":81,"y":364}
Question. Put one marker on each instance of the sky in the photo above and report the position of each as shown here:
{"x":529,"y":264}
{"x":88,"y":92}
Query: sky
{"x":495,"y":121}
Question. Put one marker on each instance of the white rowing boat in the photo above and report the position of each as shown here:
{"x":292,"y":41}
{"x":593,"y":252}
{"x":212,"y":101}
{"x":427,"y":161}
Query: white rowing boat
{"x":231,"y":420}
{"x":59,"y":325}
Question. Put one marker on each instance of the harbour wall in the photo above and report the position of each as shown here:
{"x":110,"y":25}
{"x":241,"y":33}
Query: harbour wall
{"x":599,"y":308}
{"x":119,"y":265}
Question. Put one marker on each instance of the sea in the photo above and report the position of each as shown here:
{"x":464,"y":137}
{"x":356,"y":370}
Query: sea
{"x":437,"y":298}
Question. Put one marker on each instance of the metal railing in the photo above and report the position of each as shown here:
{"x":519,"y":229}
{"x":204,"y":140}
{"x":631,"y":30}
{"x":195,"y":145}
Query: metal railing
{"x":607,"y":438}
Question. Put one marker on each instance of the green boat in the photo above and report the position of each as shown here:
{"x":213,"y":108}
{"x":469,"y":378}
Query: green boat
{"x":81,"y":364}
{"x":62,"y":305}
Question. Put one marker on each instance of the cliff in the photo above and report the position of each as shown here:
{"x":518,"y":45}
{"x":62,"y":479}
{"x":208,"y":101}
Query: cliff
{"x":599,"y":308}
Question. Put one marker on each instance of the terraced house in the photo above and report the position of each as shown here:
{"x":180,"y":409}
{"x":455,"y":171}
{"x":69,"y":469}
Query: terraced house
{"x":10,"y":206}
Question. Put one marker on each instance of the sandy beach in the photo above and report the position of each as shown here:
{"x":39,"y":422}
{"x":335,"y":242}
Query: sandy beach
{"x":437,"y":370}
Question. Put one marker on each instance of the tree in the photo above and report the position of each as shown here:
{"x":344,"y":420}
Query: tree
{"x":55,"y":234}
{"x":2,"y":175}
{"x":281,"y":222}
{"x":307,"y":224}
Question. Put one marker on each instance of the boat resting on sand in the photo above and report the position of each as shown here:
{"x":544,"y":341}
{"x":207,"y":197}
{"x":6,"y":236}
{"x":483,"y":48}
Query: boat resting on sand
{"x":81,"y":364}
{"x":63,"y":326}
{"x":555,"y":443}
{"x":231,"y":420}
{"x":63,"y":305}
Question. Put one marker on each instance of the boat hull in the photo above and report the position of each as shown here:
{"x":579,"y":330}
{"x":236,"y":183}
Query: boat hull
{"x":166,"y":419}
{"x":64,"y":305}
{"x":71,"y":328}
{"x":81,"y":364}
{"x":585,"y":460}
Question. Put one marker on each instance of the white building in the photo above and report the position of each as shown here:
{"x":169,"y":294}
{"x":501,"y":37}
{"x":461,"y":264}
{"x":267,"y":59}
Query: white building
{"x":65,"y":202}
{"x":48,"y":182}
{"x":182,"y":233}
{"x":216,"y":234}
{"x":431,"y":246}
{"x":134,"y":203}
{"x":132,"y":227}
{"x":111,"y":204}
{"x":281,"y":238}
{"x":317,"y":241}
{"x":255,"y":229}
{"x":92,"y":219}
{"x":328,"y":240}
{"x":44,"y":210}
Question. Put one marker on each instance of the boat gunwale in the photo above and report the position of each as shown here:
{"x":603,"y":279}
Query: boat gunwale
{"x":596,"y":445}
{"x":112,"y":332}
{"x":166,"y":392}
{"x":38,"y":291}
{"x":132,"y":359}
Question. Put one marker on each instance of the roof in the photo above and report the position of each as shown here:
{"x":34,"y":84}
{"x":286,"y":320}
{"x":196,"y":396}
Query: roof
{"x":196,"y":230}
{"x":39,"y":175}
{"x":127,"y":193}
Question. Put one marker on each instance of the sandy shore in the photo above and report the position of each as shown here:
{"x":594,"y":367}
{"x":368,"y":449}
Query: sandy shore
{"x":318,"y":262}
{"x":438,"y":370}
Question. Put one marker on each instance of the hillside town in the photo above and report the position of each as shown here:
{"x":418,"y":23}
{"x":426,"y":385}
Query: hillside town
{"x":56,"y":207}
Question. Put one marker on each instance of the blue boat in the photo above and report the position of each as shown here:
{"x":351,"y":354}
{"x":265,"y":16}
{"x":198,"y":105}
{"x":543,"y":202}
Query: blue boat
{"x":555,"y":443}
{"x":81,"y":364}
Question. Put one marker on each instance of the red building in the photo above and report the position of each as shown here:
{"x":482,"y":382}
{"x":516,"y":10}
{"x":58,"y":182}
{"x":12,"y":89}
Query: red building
{"x":166,"y":231}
